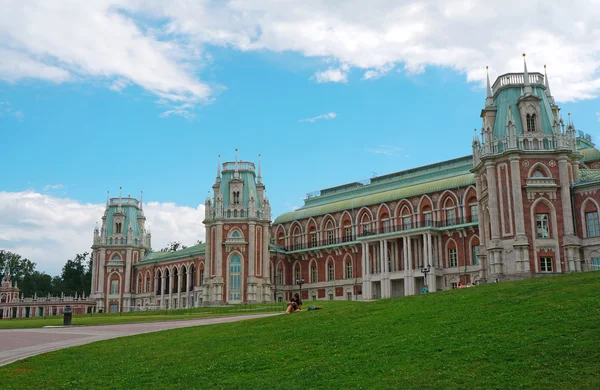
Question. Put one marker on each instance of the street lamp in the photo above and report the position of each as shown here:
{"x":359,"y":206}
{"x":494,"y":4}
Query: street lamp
{"x":425,"y":271}
{"x":300,"y":282}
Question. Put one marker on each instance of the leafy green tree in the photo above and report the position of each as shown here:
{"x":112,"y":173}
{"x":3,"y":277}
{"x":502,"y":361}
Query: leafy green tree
{"x":36,"y":283}
{"x":173,"y":246}
{"x":76,"y":275}
{"x":19,"y":266}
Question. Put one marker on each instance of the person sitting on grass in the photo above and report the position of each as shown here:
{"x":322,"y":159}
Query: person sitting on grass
{"x":294,"y":305}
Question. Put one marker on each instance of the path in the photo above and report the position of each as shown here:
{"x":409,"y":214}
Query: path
{"x":16,"y":344}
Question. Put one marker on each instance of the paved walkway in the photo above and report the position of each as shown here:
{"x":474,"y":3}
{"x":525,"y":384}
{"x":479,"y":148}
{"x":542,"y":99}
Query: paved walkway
{"x":16,"y":344}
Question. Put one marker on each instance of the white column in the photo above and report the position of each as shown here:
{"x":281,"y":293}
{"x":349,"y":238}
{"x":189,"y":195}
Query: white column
{"x":101,"y":270}
{"x":565,"y":194}
{"x":208,"y":254}
{"x":493,"y":200}
{"x":251,"y":249}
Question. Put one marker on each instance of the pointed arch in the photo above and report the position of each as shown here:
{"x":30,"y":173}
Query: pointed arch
{"x":444,"y":196}
{"x":426,"y":211}
{"x":313,"y":267}
{"x":451,"y":253}
{"x":364,"y":221}
{"x":474,"y":245}
{"x":280,"y":273}
{"x":293,"y":226}
{"x":235,"y":232}
{"x":235,"y":272}
{"x":589,"y":208}
{"x":539,"y":166}
{"x":348,"y":266}
{"x":330,"y":268}
{"x":403,"y":204}
{"x":296,"y":272}
{"x":329,"y":227}
{"x":280,"y":235}
{"x":384,"y":218}
{"x":326,"y":219}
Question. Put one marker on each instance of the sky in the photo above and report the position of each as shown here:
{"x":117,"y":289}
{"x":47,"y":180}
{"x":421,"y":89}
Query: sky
{"x":146,"y":94}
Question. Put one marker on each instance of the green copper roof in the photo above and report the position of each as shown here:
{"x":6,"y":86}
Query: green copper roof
{"x":400,"y":192}
{"x":249,"y":185}
{"x":131,"y":212}
{"x":588,"y":176}
{"x":509,"y":97}
{"x":156,"y":257}
{"x":590,"y":154}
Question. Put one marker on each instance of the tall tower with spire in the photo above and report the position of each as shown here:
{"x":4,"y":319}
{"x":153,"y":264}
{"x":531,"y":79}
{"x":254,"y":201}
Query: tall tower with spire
{"x":237,"y":222}
{"x":120,"y":243}
{"x":524,"y":166}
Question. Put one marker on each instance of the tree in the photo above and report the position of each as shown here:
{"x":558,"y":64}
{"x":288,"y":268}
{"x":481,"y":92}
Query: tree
{"x":36,"y":283}
{"x":19,"y":266}
{"x":76,"y":275}
{"x":173,"y":246}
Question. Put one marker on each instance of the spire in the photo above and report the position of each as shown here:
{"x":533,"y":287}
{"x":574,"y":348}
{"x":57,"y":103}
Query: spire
{"x":218,"y":169}
{"x":107,"y":196}
{"x":475,"y":138}
{"x":120,"y":194}
{"x":208,"y":197}
{"x":489,"y":100}
{"x":259,"y":176}
{"x":142,"y":200}
{"x":527,"y":89}
{"x":236,"y":174}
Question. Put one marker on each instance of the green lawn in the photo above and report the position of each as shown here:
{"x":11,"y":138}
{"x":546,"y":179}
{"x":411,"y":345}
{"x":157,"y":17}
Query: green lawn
{"x":142,"y":316}
{"x":539,"y":333}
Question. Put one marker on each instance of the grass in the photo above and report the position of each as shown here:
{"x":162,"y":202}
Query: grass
{"x":538,"y":333}
{"x":141,"y":316}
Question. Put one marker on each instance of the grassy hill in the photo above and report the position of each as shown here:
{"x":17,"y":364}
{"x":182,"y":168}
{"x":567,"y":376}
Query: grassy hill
{"x":538,"y":333}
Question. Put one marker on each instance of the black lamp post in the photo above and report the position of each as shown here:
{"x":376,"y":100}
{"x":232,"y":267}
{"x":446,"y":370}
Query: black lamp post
{"x":300,"y":282}
{"x":425,"y":271}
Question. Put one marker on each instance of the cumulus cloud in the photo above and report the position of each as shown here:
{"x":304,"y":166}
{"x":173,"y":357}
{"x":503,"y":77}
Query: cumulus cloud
{"x":160,"y":45}
{"x":329,"y":115}
{"x":50,"y":230}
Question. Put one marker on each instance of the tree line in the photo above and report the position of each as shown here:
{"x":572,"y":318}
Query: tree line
{"x":76,"y":275}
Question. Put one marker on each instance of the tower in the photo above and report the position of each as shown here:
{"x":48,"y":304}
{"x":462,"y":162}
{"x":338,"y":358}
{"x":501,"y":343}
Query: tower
{"x":119,"y":244}
{"x":524,"y":167}
{"x":237,"y":222}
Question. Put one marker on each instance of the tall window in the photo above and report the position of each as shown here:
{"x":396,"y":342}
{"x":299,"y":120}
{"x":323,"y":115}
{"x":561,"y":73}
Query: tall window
{"x":297,"y":240}
{"x":236,"y":197}
{"x":119,"y":227}
{"x":542,"y":225}
{"x":313,"y":274}
{"x":279,"y":276}
{"x":330,"y":238}
{"x":386,"y":225}
{"x":147,"y":284}
{"x":297,"y":273}
{"x":313,"y":239}
{"x":139,"y":285}
{"x":428,"y":217}
{"x":450,"y":217}
{"x":474,"y":212}
{"x":406,"y":222}
{"x":348,"y":233}
{"x":595,"y":263}
{"x":545,"y":264}
{"x":201,"y":276}
{"x":593,"y":229}
{"x":366,"y":225}
{"x":475,"y":254}
{"x":453,"y":257}
{"x":235,"y":276}
{"x":348,"y":270}
{"x":530,"y":122}
{"x":114,"y":286}
{"x":330,"y":271}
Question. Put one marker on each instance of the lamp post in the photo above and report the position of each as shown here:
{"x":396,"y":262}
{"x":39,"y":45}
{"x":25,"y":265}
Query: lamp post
{"x":300,"y":282}
{"x":425,"y":271}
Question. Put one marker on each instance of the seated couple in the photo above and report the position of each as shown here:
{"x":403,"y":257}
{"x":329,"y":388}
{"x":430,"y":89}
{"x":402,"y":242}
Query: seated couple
{"x":294,"y":305}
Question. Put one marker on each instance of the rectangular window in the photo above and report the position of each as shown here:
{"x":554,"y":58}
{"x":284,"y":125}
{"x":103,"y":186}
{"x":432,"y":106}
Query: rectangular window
{"x":330,"y":239}
{"x":313,"y":273}
{"x":366,"y":227}
{"x":428,"y":217}
{"x":545,"y":264}
{"x":475,"y":254}
{"x":349,"y":270}
{"x":113,"y":308}
{"x":406,"y":222}
{"x":386,"y":226}
{"x":450,"y":217}
{"x":453,"y":257}
{"x":280,"y":276}
{"x":313,"y":239}
{"x":595,"y":263}
{"x":474,"y":212}
{"x":114,"y":287}
{"x":297,"y":274}
{"x":331,"y":271}
{"x":348,"y":233}
{"x":297,"y":243}
{"x":593,"y":229}
{"x":542,"y":225}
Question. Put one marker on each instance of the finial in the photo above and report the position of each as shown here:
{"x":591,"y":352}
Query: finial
{"x":142,"y":199}
{"x":259,"y":176}
{"x":236,"y":174}
{"x":120,"y":194}
{"x":489,"y":101}
{"x":547,"y":85}
{"x":527,"y":89}
{"x":219,"y":169}
{"x":107,"y":196}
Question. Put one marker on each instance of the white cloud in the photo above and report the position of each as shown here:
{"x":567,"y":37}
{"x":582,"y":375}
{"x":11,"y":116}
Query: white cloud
{"x":50,"y":230}
{"x":329,"y":115}
{"x":377,"y":73}
{"x":388,"y":150}
{"x":332,"y":75}
{"x":160,"y":45}
{"x":6,"y":109}
{"x":53,"y":187}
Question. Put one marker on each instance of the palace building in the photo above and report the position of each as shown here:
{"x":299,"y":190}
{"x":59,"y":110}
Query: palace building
{"x":524,"y":204}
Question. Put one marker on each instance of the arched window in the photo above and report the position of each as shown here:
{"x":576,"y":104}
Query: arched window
{"x":530,"y":122}
{"x":139,"y":284}
{"x":538,"y":173}
{"x":118,"y":227}
{"x":235,"y":234}
{"x":297,"y":239}
{"x":297,"y":273}
{"x":330,"y":271}
{"x":147,"y":283}
{"x":159,"y":284}
{"x":314,"y":277}
{"x":114,"y":286}
{"x":365,"y":224}
{"x":235,"y":279}
{"x":330,"y":237}
{"x":348,"y":232}
{"x":349,"y":269}
{"x":279,"y":276}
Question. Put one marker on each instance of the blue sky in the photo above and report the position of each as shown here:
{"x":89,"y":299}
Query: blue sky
{"x":322,"y":111}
